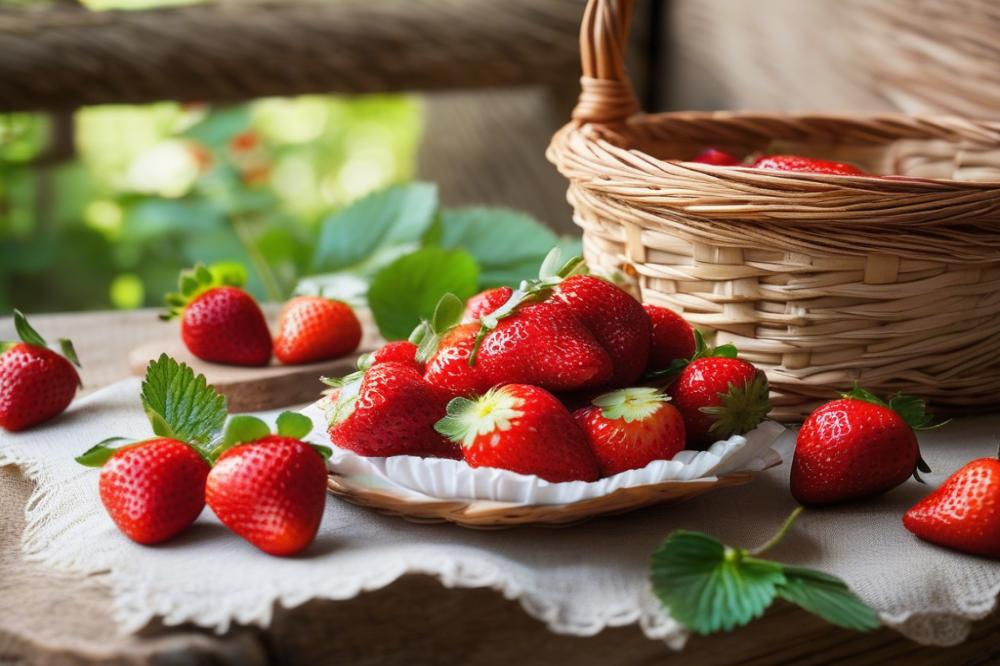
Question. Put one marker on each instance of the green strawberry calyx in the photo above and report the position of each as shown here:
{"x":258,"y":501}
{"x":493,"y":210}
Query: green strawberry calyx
{"x":428,"y":333}
{"x":552,"y":272}
{"x":701,"y":350}
{"x":245,"y":429}
{"x":29,"y":336}
{"x":911,"y":409}
{"x":630,"y":404}
{"x":466,"y":419}
{"x":741,"y":408}
{"x":193,"y":282}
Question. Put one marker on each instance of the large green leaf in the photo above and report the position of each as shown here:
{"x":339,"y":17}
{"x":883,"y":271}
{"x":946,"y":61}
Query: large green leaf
{"x":407,"y":290}
{"x":508,"y":245}
{"x":827,"y":596}
{"x":709,"y":587}
{"x":180,"y":404}
{"x":376,"y":225}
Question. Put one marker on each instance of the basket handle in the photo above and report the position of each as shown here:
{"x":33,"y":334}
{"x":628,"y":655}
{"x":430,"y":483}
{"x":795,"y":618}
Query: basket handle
{"x":606,"y":96}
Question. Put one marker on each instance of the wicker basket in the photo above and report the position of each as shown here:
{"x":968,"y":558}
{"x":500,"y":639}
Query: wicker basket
{"x":820,"y":280}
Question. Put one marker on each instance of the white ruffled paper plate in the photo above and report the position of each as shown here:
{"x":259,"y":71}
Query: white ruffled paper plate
{"x":434,"y":489}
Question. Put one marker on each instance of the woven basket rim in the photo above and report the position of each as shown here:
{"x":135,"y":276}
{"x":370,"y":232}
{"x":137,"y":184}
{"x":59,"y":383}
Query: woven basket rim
{"x":978,"y":132}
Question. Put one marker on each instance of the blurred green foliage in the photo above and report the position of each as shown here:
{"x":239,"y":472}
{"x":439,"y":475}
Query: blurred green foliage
{"x":155,"y":188}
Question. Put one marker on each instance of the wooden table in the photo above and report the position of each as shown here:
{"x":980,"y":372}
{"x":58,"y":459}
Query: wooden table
{"x":64,"y":619}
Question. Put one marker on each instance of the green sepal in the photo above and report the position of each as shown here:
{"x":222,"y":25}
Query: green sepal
{"x":195,"y":281}
{"x":427,"y":335}
{"x":324,"y":451}
{"x":26,"y":332}
{"x":741,"y":408}
{"x":242,"y":429}
{"x":67,"y":349}
{"x":294,"y":425}
{"x":339,"y":382}
{"x":101,"y":452}
{"x":453,"y":425}
{"x":701,"y":350}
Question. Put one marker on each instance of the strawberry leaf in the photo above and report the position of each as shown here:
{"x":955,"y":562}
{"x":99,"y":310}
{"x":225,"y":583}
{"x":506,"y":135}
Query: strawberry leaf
{"x":181,"y":405}
{"x":100,"y":453}
{"x":828,"y":597}
{"x":66,"y":347}
{"x":25,"y":331}
{"x":913,"y":410}
{"x":294,"y":425}
{"x":858,"y":393}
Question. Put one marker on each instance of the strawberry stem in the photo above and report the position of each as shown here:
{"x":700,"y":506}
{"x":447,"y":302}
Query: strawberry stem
{"x":779,"y":535}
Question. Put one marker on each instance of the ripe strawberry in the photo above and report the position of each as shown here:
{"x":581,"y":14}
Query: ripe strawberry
{"x":523,"y":429}
{"x":485,"y":302}
{"x":719,"y":395}
{"x":36,"y":384}
{"x":717,"y":158}
{"x":400,"y":351}
{"x":152,"y":490}
{"x":271,"y":491}
{"x":546,"y":345}
{"x":629,"y":428}
{"x":857,"y":446}
{"x":617,"y":321}
{"x":312,"y":328}
{"x":672,"y":337}
{"x":964,"y":512}
{"x":220,"y":322}
{"x":806,"y":165}
{"x":449,"y":367}
{"x":390,"y":411}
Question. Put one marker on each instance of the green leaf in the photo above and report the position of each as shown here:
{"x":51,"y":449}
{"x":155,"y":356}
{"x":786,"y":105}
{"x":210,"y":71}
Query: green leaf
{"x":858,"y":393}
{"x":407,"y":290}
{"x":293,"y":424}
{"x":243,"y":428}
{"x":710,"y":587}
{"x":100,"y":453}
{"x":828,"y":597}
{"x":397,"y":216}
{"x":507,"y":245}
{"x":26,"y":332}
{"x":912,"y":409}
{"x":181,"y":405}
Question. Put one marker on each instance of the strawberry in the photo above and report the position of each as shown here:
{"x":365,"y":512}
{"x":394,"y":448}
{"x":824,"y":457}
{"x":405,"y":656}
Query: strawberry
{"x":449,"y":367}
{"x":857,"y":446}
{"x":485,"y":302}
{"x":36,"y":384}
{"x":220,"y":322}
{"x":546,"y":345}
{"x":717,"y":158}
{"x":964,"y":512}
{"x":269,"y":489}
{"x":806,"y":165}
{"x":390,"y":410}
{"x":520,"y":428}
{"x":617,"y":321}
{"x":313,"y":328}
{"x":629,"y":428}
{"x":719,"y":395}
{"x":672,"y":337}
{"x":153,"y":490}
{"x":400,"y":351}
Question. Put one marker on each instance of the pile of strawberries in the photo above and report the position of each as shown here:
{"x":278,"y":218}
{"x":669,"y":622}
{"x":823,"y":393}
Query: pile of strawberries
{"x":797,"y":163}
{"x":222,"y":323}
{"x":562,"y":378}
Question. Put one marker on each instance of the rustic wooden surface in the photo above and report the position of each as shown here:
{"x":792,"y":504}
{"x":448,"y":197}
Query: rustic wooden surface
{"x":67,"y":620}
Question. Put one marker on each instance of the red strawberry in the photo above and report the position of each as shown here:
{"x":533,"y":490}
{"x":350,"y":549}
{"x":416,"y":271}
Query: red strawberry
{"x":312,"y":328}
{"x":616,"y":320}
{"x":485,"y":302}
{"x":672,"y":337}
{"x":807,"y":165}
{"x":152,"y":490}
{"x":717,"y":158}
{"x":449,"y":367}
{"x":400,"y":351}
{"x":391,"y":411}
{"x":523,"y":429}
{"x":220,"y":322}
{"x":270,"y":491}
{"x":857,"y":446}
{"x":546,"y":345}
{"x":719,"y":395}
{"x":630,"y":428}
{"x":964,"y":512}
{"x":36,"y":384}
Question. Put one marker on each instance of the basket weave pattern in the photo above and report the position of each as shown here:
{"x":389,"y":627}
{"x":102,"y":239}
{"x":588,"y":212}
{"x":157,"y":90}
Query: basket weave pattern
{"x":820,"y":280}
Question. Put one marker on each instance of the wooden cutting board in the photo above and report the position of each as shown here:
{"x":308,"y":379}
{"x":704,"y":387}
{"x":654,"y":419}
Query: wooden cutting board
{"x":255,"y":389}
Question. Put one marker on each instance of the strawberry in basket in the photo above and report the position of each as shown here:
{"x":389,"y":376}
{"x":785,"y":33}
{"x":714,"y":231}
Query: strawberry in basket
{"x":806,"y":165}
{"x":36,"y":383}
{"x":718,"y":394}
{"x":523,"y":429}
